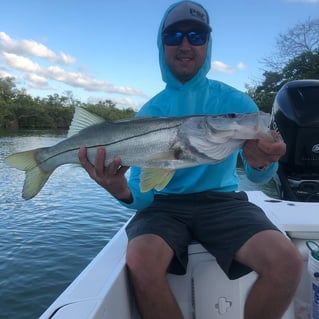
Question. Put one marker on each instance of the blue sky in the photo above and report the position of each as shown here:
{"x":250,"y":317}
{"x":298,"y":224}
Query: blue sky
{"x":107,"y":49}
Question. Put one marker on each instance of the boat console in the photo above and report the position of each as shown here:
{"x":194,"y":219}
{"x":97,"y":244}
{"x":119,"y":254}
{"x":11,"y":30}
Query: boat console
{"x":295,"y":116}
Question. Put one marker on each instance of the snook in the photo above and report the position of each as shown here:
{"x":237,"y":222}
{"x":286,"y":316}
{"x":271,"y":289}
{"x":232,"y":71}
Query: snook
{"x":158,"y":145}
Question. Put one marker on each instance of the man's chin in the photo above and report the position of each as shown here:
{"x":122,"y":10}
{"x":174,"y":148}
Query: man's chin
{"x":184,"y":77}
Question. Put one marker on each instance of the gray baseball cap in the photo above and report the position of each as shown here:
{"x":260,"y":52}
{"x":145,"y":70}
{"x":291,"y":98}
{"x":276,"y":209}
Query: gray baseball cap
{"x":188,"y":11}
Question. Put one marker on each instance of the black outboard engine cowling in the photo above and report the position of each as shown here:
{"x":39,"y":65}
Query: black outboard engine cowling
{"x":295,"y":116}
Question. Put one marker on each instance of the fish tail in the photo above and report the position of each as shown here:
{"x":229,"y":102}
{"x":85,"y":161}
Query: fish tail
{"x":35,"y":176}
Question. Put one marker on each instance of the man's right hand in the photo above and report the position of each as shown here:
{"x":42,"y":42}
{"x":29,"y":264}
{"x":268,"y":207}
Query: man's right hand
{"x":110,"y":177}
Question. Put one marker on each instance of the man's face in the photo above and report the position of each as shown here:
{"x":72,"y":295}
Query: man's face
{"x":184,"y":60}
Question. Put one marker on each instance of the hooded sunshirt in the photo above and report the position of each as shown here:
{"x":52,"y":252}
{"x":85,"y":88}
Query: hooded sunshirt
{"x":199,"y":96}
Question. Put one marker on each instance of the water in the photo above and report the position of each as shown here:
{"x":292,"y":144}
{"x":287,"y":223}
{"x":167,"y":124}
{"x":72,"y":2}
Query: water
{"x":46,"y":242}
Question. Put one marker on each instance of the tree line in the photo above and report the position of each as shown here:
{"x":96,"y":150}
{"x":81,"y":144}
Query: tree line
{"x":19,"y":110}
{"x":296,"y":57}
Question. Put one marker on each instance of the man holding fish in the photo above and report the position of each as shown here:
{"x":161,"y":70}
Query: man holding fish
{"x":201,"y":202}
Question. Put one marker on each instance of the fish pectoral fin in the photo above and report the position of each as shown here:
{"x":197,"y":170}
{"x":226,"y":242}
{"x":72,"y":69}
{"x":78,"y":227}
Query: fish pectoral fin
{"x":156,"y":178}
{"x":168,"y":175}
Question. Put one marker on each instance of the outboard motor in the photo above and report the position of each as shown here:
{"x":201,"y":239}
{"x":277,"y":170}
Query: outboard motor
{"x":295,"y":116}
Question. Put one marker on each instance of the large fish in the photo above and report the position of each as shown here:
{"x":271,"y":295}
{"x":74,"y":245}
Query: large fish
{"x":157,"y":144}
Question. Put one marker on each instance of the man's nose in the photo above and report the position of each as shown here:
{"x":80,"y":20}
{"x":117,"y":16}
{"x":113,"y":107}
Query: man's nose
{"x":185,"y":42}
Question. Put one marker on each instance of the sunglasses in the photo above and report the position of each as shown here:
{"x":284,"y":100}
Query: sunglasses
{"x":195,"y":38}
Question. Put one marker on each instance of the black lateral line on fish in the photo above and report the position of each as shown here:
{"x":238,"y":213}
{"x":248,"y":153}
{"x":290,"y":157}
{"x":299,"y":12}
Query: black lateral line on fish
{"x":116,"y":142}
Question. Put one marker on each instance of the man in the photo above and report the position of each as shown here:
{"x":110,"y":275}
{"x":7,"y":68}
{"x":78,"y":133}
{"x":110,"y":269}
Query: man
{"x":200,"y":203}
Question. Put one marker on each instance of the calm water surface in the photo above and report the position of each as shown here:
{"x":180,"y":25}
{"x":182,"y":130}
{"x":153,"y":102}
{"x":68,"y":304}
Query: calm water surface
{"x":46,"y":242}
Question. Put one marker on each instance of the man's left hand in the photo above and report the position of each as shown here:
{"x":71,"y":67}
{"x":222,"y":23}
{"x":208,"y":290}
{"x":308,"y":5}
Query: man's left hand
{"x":261,"y":153}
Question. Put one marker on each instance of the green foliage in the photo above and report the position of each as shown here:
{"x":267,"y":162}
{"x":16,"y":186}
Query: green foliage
{"x":7,"y":117}
{"x":21,"y":111}
{"x":107,"y":110}
{"x":297,"y":58}
{"x":7,"y":89}
{"x":304,"y":66}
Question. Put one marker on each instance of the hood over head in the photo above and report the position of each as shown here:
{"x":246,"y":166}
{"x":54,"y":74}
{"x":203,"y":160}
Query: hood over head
{"x":184,"y":11}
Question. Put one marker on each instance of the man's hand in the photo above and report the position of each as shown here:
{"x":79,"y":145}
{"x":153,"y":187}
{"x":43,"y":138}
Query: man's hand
{"x":261,"y":153}
{"x":111,"y":177}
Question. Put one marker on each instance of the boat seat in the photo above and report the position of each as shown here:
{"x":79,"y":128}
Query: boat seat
{"x":212,"y":294}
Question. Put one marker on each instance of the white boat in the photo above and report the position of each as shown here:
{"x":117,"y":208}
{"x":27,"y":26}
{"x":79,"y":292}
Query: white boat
{"x":103,"y":291}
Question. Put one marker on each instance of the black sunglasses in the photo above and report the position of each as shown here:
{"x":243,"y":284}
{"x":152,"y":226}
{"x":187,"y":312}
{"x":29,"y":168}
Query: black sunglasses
{"x":196,"y":38}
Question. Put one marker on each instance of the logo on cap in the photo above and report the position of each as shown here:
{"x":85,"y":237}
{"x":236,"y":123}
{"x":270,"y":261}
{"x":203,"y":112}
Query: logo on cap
{"x":197,"y":14}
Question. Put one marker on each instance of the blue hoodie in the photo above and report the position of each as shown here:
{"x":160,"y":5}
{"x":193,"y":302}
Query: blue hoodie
{"x":197,"y":96}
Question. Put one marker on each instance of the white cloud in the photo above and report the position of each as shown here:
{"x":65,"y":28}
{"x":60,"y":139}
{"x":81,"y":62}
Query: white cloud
{"x":221,"y":67}
{"x":241,"y":66}
{"x":82,"y":80}
{"x":18,"y":55}
{"x":128,"y":103}
{"x":4,"y":73}
{"x":37,"y":81}
{"x":67,"y":59}
{"x":20,"y":63}
{"x":32,"y":48}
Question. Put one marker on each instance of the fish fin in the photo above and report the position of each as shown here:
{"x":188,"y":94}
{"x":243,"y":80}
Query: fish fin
{"x":22,"y":160}
{"x":156,"y":178}
{"x":82,"y":118}
{"x":34,"y":181}
{"x":35,"y":176}
{"x":167,"y":178}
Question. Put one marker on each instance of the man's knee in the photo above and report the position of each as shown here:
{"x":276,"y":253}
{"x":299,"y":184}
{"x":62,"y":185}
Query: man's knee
{"x":271,"y":254}
{"x":289,"y":263}
{"x":148,"y":253}
{"x":284,"y":267}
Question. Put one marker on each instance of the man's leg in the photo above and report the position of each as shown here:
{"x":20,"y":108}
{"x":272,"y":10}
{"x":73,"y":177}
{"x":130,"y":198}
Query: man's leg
{"x":278,"y":265}
{"x":148,"y":257}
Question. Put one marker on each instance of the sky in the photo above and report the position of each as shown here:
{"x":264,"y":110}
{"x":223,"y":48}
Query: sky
{"x":106,"y":50}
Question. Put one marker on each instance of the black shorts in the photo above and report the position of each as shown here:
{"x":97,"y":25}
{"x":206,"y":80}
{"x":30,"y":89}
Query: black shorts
{"x":221,"y":222}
